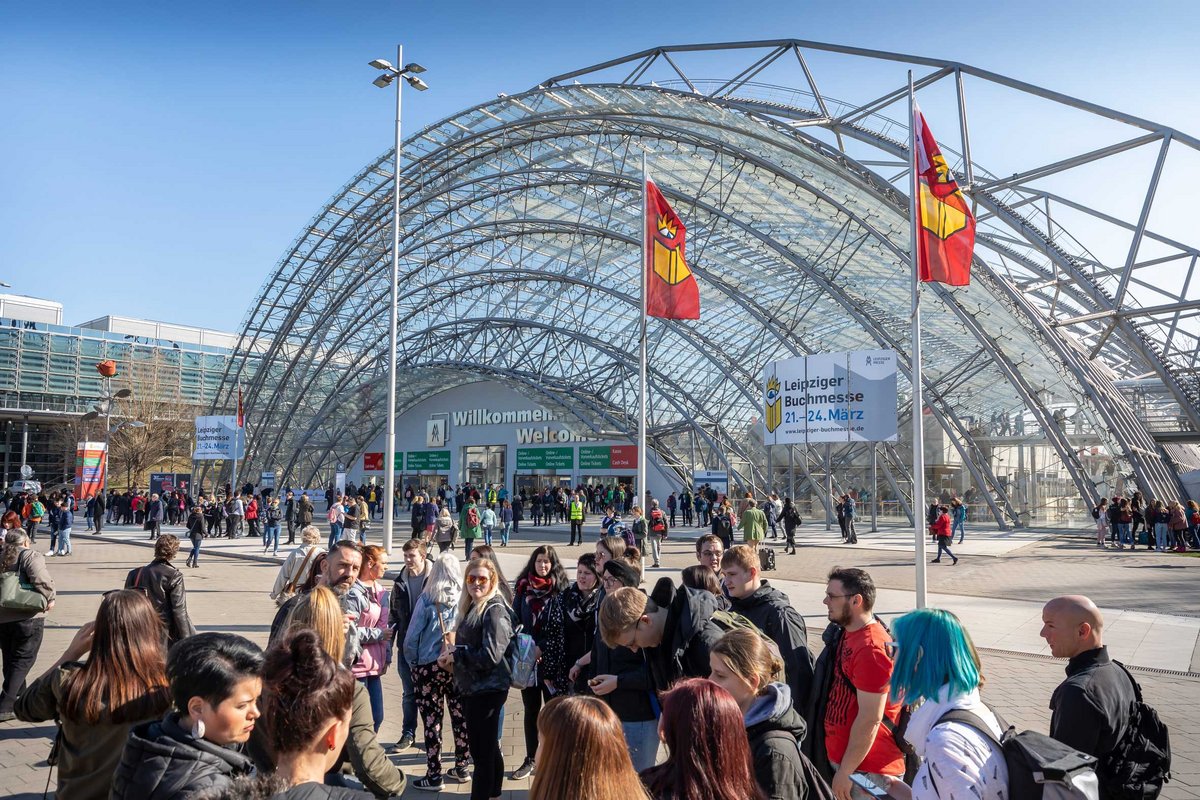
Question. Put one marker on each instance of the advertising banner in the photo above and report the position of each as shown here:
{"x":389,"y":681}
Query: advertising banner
{"x":830,"y":397}
{"x":215,"y":437}
{"x":372,"y":462}
{"x":162,"y":482}
{"x":266,"y":480}
{"x":718,"y":481}
{"x":428,"y":460}
{"x":545,"y":458}
{"x":90,"y":464}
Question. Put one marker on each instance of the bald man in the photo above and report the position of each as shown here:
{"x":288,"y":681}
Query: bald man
{"x":1091,"y":707}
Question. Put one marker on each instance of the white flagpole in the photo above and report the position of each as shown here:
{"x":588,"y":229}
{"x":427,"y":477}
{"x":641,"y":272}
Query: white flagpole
{"x":918,"y":405}
{"x":641,"y":443}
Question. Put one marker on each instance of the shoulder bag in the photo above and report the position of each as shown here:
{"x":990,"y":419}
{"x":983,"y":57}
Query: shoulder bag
{"x":16,"y":594}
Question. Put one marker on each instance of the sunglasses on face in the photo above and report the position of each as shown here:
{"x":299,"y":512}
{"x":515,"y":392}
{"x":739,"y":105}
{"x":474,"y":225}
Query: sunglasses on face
{"x":478,"y":580}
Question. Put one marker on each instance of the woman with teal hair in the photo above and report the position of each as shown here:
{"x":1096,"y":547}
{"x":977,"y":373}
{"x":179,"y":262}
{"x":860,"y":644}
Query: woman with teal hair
{"x":936,"y":668}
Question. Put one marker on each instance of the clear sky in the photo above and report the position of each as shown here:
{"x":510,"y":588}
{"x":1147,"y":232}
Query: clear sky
{"x":159,"y":158}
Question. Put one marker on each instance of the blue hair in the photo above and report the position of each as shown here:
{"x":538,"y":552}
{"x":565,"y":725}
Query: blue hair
{"x":934,"y":651}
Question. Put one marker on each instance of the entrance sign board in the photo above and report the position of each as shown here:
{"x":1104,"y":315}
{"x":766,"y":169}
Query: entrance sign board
{"x":830,"y":397}
{"x":545,"y":458}
{"x":423,"y":460}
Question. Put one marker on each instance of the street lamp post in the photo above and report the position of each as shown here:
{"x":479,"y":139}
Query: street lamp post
{"x":409,"y":73}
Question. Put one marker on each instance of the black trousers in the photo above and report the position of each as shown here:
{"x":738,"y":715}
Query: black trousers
{"x":98,"y":519}
{"x":576,"y":530}
{"x":533,"y":698}
{"x":482,"y":712}
{"x":19,"y":645}
{"x":291,"y":531}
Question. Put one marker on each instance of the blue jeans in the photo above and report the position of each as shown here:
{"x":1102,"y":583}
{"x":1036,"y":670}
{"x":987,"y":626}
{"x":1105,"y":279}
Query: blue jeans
{"x":271,"y":537}
{"x":1162,"y":536}
{"x":642,"y":740}
{"x":487,"y":535}
{"x":958,"y":525}
{"x":64,"y":542}
{"x":374,"y":684}
{"x":468,"y":545}
{"x":504,"y":532}
{"x":335,"y":534}
{"x":408,"y":723}
{"x":1123,"y":533}
{"x":194,"y":557}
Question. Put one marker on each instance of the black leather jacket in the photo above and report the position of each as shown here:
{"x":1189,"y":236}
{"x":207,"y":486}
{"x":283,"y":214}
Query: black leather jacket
{"x":163,"y":584}
{"x":481,"y":650}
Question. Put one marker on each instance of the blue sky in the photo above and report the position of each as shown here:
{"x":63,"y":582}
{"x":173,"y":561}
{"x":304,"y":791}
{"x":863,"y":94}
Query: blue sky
{"x":159,"y":158}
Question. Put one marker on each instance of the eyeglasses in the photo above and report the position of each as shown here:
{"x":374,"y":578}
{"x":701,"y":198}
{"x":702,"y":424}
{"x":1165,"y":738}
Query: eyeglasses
{"x":478,"y":580}
{"x":829,"y":596}
{"x":891,"y":648}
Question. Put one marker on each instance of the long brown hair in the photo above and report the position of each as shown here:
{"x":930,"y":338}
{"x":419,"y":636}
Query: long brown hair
{"x":125,"y":677}
{"x":583,"y":755}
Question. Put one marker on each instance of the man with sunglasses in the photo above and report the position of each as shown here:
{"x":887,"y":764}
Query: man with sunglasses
{"x":851,"y":716}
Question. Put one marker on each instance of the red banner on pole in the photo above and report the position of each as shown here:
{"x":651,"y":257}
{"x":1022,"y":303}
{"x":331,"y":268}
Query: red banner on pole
{"x":946,"y":226}
{"x":671,"y":288}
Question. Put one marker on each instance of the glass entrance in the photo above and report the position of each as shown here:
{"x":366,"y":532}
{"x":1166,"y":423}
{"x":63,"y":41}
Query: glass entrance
{"x":484,"y":464}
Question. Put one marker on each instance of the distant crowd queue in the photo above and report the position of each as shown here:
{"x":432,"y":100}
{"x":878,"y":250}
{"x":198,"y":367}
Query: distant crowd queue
{"x":704,"y":687}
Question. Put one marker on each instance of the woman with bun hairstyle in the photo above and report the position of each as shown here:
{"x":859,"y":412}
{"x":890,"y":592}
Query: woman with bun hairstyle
{"x":215,"y":685}
{"x":307,"y":697}
{"x":122,"y":683}
{"x":430,"y":633}
{"x":743,"y":666}
{"x":483,"y":632}
{"x":581,"y":754}
{"x":321,"y":612}
{"x":708,"y":754}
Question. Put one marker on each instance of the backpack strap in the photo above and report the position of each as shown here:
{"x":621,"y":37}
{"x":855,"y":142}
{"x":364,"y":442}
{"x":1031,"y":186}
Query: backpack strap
{"x":1137,"y":689}
{"x":972,"y":720}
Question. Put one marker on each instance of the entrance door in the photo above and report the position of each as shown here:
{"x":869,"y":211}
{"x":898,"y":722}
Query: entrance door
{"x":485,"y":464}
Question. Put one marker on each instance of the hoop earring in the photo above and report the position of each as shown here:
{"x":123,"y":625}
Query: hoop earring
{"x":197,"y":731}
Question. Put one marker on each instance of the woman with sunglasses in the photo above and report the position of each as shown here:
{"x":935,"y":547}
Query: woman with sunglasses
{"x":122,"y":683}
{"x":936,"y":665}
{"x":482,"y":634}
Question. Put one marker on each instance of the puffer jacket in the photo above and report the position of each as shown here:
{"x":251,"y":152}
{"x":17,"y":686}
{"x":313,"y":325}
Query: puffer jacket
{"x":163,"y":584}
{"x":481,"y":647}
{"x":956,"y":759}
{"x":774,"y":728}
{"x":161,"y":761}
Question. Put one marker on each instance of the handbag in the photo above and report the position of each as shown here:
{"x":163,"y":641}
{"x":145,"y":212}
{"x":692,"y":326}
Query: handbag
{"x":17,"y":595}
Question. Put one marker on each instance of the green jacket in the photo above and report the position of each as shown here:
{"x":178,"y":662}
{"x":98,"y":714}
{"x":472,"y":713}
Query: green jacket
{"x":754,"y":523}
{"x":469,"y":531}
{"x":89,"y":754}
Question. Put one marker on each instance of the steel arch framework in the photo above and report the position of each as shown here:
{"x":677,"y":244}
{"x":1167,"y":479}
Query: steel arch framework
{"x":519,"y":253}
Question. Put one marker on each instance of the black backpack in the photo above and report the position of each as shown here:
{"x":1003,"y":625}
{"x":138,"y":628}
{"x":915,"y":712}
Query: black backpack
{"x":1140,"y":763}
{"x":1096,"y":512}
{"x":1035,"y":761}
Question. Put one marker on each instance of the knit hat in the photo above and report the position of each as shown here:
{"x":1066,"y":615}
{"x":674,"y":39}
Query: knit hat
{"x":622,"y":572}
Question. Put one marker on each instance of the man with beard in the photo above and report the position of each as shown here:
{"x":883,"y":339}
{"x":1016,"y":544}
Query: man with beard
{"x":338,"y":572}
{"x":852,"y":717}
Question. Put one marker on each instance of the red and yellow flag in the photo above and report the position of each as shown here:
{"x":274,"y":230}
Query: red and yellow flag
{"x":946,"y":227}
{"x":241,"y":415}
{"x":671,"y":289}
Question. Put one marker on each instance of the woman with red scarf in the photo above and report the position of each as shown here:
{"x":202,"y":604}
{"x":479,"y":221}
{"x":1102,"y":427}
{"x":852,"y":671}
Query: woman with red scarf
{"x":537,"y":603}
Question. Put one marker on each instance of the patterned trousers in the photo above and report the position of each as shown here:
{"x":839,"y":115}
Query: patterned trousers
{"x":432,"y":685}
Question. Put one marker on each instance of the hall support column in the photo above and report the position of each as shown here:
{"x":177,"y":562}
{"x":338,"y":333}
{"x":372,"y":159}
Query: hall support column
{"x":25,"y":441}
{"x":770,"y":472}
{"x":828,"y":487}
{"x":874,"y":487}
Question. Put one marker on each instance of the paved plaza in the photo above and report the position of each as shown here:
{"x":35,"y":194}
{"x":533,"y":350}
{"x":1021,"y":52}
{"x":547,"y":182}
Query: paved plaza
{"x":1145,"y":597}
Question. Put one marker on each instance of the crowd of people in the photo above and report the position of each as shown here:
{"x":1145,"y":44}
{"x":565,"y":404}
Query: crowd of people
{"x":700,"y":687}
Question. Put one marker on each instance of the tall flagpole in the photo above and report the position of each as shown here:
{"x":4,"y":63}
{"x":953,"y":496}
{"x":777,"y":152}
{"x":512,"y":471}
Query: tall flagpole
{"x":918,"y":404}
{"x":642,"y":271}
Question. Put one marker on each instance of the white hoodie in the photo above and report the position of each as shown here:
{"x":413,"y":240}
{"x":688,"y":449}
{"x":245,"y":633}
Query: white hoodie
{"x":964,"y":764}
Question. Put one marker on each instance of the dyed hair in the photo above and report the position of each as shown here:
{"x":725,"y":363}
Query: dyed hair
{"x":708,"y":752}
{"x":486,"y":551}
{"x":445,"y":581}
{"x":126,"y":669}
{"x":372,"y":554}
{"x":934,"y":650}
{"x":468,"y":607}
{"x":303,"y":689}
{"x":210,"y":665}
{"x":583,"y":754}
{"x":321,"y":612}
{"x":557,"y":573}
{"x":10,"y":521}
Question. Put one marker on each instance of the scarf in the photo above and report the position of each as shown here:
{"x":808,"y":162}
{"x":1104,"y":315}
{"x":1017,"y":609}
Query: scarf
{"x":578,"y":606}
{"x":537,"y":591}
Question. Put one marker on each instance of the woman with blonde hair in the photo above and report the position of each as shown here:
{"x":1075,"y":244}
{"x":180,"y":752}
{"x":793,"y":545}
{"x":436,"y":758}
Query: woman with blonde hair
{"x":743,"y":665}
{"x":481,"y":671}
{"x":582,"y":754}
{"x":431,"y":633}
{"x":320,"y":611}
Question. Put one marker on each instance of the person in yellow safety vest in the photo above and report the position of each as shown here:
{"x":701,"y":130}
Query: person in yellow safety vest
{"x":491,"y":495}
{"x":576,"y":516}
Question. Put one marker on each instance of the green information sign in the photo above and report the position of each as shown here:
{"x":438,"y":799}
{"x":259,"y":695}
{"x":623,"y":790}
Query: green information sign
{"x":595,"y":457}
{"x":545,"y":457}
{"x":422,"y":460}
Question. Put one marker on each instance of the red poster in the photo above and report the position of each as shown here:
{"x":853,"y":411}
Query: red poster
{"x":623,"y":456}
{"x":89,"y":470}
{"x":373,"y":462}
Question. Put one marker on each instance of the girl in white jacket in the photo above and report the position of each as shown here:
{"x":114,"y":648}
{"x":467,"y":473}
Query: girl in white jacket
{"x":936,"y":665}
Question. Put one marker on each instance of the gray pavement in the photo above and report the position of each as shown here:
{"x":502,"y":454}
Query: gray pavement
{"x":229,"y":592}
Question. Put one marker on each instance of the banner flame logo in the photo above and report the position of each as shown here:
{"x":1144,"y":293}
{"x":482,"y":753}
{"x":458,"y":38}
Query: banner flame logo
{"x":668,"y":264}
{"x":773,"y":405}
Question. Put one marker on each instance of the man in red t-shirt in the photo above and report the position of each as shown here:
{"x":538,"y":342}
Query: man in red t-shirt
{"x":855,"y":739}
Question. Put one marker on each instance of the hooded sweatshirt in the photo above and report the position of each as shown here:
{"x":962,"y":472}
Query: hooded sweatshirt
{"x":956,"y":760}
{"x":774,"y":728}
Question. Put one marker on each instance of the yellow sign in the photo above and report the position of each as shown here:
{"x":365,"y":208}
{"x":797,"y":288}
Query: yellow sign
{"x":774,"y":405}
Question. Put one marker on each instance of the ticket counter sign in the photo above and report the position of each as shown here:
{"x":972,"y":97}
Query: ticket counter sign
{"x":608,"y":457}
{"x":427,"y":460}
{"x":830,"y":397}
{"x":545,"y":458}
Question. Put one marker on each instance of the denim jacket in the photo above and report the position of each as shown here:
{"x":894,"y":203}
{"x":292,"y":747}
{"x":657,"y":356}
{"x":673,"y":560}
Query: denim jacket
{"x":423,"y":642}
